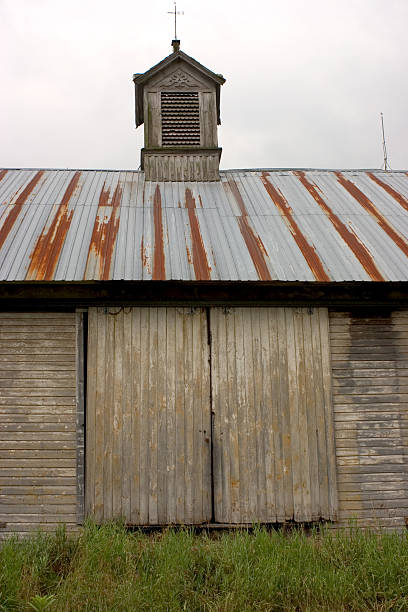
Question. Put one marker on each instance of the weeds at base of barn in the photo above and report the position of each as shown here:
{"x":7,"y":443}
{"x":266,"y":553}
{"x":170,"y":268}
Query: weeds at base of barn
{"x":110,"y":568}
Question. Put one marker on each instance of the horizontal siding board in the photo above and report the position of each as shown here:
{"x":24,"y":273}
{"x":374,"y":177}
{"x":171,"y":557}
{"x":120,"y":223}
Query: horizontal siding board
{"x":371,"y":488}
{"x":36,"y":427}
{"x":370,"y":398}
{"x":36,"y":499}
{"x":34,"y":490}
{"x":37,"y":454}
{"x":40,"y":518}
{"x":36,"y":480}
{"x":38,"y":422}
{"x":36,"y":419}
{"x":37,"y":368}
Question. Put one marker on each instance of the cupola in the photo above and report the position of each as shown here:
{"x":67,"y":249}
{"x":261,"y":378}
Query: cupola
{"x":178,"y":100}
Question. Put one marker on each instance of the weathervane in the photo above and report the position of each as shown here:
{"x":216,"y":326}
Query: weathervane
{"x":175,"y":13}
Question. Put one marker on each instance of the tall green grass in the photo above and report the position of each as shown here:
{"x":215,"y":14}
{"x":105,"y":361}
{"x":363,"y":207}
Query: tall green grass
{"x":110,"y":569}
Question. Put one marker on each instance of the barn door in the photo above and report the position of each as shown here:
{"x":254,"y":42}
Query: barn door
{"x":273,"y":443}
{"x":148,"y":416}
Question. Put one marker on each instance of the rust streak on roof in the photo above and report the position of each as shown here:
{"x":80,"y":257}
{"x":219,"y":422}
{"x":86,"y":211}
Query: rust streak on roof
{"x":189,"y":258}
{"x":159,"y":268}
{"x":390,"y":190}
{"x":366,"y":203}
{"x":17,"y":207}
{"x":3,"y":174}
{"x":44,"y":258}
{"x":308,"y":251}
{"x":254,"y":244}
{"x":144,"y":257}
{"x":200,"y":262}
{"x":359,"y":249}
{"x":105,"y":231}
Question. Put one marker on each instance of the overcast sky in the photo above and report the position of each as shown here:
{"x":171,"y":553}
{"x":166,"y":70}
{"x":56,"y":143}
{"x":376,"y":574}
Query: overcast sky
{"x":306,"y":80}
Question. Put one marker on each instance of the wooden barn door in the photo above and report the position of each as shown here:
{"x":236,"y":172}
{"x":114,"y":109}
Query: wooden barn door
{"x":148,"y":416}
{"x":181,"y":433}
{"x":273,"y":441}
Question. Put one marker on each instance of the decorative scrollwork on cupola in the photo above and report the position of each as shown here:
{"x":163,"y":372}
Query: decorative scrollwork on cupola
{"x":178,"y":100}
{"x":180,"y":80}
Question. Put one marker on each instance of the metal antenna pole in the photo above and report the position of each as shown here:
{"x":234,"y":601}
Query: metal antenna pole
{"x":386,"y":167}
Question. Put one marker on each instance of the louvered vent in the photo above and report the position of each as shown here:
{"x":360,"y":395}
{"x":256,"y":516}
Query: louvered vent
{"x":180,"y":118}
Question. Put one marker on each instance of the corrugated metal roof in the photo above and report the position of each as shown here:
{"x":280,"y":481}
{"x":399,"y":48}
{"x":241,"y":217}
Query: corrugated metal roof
{"x":286,"y":225}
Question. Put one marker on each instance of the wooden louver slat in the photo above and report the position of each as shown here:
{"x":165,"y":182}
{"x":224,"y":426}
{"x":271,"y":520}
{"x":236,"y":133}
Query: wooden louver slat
{"x":180,"y":113}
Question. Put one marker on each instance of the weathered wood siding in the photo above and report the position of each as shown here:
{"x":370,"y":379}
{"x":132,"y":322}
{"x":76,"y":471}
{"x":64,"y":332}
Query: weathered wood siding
{"x":370,"y":392}
{"x":148,"y":416}
{"x":273,"y":426}
{"x":38,"y":439}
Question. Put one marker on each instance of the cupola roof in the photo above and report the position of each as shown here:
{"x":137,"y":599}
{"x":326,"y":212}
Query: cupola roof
{"x":177,"y":57}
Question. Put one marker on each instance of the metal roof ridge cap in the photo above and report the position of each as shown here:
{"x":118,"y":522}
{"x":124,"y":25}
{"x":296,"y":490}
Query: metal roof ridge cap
{"x":293,"y":169}
{"x":36,"y":168}
{"x":223,"y":171}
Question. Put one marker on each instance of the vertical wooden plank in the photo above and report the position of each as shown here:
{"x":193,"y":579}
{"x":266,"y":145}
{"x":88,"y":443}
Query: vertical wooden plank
{"x":218,"y":395}
{"x":127,"y":427}
{"x":231,"y":425}
{"x":119,"y":349}
{"x":251,"y":378}
{"x":242,"y":409}
{"x":320,"y":405}
{"x":171,"y":415}
{"x":311,"y":387}
{"x":98,"y":356}
{"x":90,"y":456}
{"x":284,"y":411}
{"x":189,"y":356}
{"x":204,"y":407}
{"x":180,"y":398}
{"x":153,"y":133}
{"x":137,"y":442}
{"x":144,"y":448}
{"x":108,"y":417}
{"x":195,"y":427}
{"x":161,"y":408}
{"x":225,"y":444}
{"x":327,"y":388}
{"x":271,"y":417}
{"x":153,"y":412}
{"x":80,"y":416}
{"x":208,"y":120}
{"x":293,"y":408}
{"x":302,"y":407}
{"x":261,"y":420}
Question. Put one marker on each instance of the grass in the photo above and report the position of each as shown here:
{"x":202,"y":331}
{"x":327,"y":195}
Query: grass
{"x":110,"y":569}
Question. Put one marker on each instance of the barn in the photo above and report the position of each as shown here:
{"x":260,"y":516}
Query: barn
{"x":184,"y":345}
